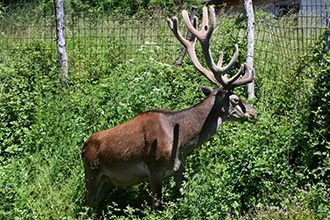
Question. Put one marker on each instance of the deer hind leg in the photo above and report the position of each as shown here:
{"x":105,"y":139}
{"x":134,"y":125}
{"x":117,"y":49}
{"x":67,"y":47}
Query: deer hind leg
{"x":156,"y":179}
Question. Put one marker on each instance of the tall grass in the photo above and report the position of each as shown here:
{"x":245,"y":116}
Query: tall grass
{"x":245,"y":171}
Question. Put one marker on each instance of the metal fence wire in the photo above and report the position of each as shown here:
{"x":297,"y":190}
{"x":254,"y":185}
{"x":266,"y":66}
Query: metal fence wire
{"x":104,"y":36}
{"x":124,"y":37}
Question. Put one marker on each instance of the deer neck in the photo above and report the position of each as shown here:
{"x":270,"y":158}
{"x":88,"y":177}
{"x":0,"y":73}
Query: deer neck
{"x":197,"y":124}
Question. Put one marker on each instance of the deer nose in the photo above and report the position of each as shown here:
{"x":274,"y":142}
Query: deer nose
{"x":252,"y":113}
{"x":256,"y":114}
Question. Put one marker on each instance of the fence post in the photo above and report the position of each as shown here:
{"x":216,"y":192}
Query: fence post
{"x":60,"y":38}
{"x":250,"y":43}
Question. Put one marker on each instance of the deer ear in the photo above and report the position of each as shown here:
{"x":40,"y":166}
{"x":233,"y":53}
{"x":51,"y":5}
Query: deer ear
{"x":206,"y":90}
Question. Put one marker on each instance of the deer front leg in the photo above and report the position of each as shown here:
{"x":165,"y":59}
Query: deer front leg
{"x":156,"y":179}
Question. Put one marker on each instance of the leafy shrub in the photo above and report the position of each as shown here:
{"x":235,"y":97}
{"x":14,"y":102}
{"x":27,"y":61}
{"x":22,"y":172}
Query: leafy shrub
{"x":313,"y":144}
{"x":22,"y":81}
{"x":127,"y":6}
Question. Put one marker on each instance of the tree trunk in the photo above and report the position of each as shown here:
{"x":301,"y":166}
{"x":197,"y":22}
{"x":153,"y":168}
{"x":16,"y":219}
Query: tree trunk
{"x":250,"y":42}
{"x":60,"y":38}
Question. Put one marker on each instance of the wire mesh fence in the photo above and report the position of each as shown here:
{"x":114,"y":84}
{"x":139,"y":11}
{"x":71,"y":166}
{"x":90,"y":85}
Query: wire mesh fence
{"x":294,"y":33}
{"x":120,"y":37}
{"x":107,"y":37}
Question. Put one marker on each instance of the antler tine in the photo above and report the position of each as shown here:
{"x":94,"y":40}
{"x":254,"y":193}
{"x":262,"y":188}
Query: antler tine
{"x":190,"y":46}
{"x":205,"y":33}
{"x":248,"y":76}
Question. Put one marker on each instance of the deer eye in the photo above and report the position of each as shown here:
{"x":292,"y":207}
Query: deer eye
{"x":234,"y":99}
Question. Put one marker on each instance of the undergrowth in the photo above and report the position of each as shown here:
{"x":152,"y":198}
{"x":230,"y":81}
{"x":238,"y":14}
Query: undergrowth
{"x":275,"y":167}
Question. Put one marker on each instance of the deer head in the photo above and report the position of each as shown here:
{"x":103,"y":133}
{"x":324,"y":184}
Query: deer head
{"x":153,"y":145}
{"x":235,"y":107}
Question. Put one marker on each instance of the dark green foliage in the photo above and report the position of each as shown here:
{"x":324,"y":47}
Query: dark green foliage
{"x":312,"y":152}
{"x":127,"y":6}
{"x":22,"y":81}
{"x":319,"y":123}
{"x":112,"y":5}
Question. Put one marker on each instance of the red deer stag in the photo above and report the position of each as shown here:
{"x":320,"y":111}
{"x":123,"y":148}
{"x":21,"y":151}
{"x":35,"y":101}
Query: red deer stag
{"x":153,"y":145}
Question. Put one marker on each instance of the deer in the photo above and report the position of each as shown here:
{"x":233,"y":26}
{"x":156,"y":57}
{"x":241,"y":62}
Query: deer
{"x":154,"y":144}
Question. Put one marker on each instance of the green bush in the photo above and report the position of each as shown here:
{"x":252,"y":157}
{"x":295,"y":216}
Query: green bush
{"x":22,"y":82}
{"x":313,"y":143}
{"x":127,"y":6}
{"x":317,"y":155}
